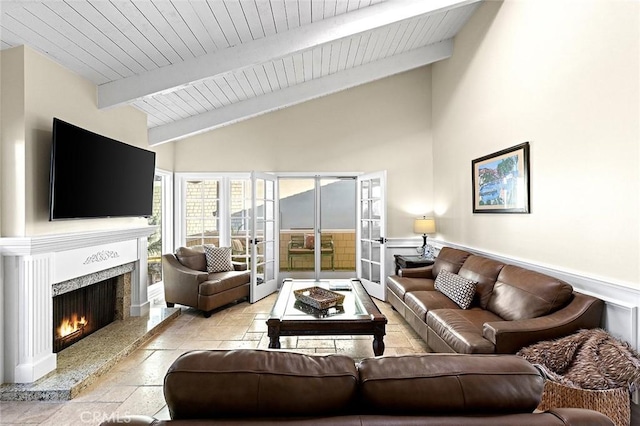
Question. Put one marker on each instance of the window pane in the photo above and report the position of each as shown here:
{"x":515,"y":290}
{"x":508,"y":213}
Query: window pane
{"x":202,"y":211}
{"x":154,"y":242}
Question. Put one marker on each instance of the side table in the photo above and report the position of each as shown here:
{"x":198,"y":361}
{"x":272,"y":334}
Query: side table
{"x":403,"y":262}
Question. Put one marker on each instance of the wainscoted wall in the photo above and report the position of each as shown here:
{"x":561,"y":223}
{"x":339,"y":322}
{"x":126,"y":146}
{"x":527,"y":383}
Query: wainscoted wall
{"x":621,"y":311}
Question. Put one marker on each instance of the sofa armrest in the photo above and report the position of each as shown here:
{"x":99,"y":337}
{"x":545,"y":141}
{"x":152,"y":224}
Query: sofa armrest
{"x":420,"y":272}
{"x":239,"y":266}
{"x":174,"y":270}
{"x":132,"y":420}
{"x":580,"y":416}
{"x":510,"y":336}
{"x":181,"y":284}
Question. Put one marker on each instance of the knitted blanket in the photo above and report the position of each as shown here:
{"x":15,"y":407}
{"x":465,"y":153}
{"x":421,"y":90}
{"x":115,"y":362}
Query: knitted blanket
{"x":589,"y":359}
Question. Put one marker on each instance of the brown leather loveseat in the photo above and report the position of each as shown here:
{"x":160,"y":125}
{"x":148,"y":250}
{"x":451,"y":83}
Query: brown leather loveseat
{"x":512,"y":307}
{"x":271,"y":388}
{"x":187,"y":282}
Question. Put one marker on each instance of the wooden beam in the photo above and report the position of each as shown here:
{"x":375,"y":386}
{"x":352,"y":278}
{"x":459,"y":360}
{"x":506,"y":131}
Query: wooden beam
{"x":172,"y":77}
{"x":300,"y":93}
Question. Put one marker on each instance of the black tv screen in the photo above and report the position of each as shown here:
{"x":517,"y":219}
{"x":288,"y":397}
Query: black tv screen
{"x":95,"y":176}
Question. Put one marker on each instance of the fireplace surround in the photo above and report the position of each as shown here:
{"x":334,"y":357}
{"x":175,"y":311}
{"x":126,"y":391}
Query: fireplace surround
{"x":35,"y":269}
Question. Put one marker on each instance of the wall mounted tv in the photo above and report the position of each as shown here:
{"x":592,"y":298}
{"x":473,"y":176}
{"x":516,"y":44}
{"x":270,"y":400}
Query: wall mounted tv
{"x":95,"y":176}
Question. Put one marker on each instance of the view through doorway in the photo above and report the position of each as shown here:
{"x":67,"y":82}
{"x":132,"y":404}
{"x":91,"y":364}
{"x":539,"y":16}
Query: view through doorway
{"x":317,"y":227}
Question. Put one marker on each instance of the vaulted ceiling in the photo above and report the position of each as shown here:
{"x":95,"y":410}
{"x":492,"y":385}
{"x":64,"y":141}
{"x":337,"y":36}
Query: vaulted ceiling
{"x":195,"y":65}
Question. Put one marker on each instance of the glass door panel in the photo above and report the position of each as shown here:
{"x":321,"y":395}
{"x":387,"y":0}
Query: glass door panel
{"x":240,"y":219}
{"x":372,"y":225}
{"x":338,"y":226}
{"x":264,"y":255}
{"x":297,"y":223}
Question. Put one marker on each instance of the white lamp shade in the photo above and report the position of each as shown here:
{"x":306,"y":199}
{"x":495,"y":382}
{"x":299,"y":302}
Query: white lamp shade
{"x":425,"y":225}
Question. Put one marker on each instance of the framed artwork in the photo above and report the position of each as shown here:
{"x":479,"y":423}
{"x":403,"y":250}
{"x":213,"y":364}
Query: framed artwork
{"x":500,"y":181}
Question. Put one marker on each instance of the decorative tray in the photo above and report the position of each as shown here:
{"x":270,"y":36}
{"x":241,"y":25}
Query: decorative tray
{"x":319,"y":297}
{"x":318,"y":313}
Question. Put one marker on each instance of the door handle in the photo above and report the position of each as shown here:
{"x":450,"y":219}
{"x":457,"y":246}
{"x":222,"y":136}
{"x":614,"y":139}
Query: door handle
{"x":382,"y":240}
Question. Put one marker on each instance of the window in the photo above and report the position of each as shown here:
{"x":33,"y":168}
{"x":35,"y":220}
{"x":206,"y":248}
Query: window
{"x":154,"y":243}
{"x":240,"y":216}
{"x":161,"y":241}
{"x":202,"y":215}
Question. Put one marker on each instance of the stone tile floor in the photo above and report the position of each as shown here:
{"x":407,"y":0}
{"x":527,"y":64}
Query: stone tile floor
{"x":134,"y":385}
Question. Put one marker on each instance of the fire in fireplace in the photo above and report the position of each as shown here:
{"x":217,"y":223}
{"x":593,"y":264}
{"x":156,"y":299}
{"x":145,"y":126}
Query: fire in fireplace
{"x":80,"y":312}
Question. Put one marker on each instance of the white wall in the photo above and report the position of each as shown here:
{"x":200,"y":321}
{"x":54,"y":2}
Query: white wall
{"x":565,"y":76}
{"x":384,"y":125}
{"x":48,"y":90}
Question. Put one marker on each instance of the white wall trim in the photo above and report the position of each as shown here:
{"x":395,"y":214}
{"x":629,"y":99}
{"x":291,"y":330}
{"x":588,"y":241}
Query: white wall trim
{"x":27,"y":246}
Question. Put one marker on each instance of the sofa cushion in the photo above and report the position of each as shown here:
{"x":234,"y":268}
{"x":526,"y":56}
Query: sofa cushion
{"x":449,"y":383}
{"x":522,"y":294}
{"x":218,"y":258}
{"x":456,"y":288}
{"x":461,"y":330}
{"x":421,"y":302}
{"x":449,"y":259}
{"x":401,"y":285}
{"x":222,"y":281}
{"x":214,"y":384}
{"x":192,"y":257}
{"x":484,"y":272}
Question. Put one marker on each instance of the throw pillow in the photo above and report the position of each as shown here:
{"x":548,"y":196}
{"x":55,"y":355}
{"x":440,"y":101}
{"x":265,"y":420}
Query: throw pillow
{"x":218,"y":259}
{"x":309,"y":241}
{"x":456,"y":288}
{"x":192,"y":257}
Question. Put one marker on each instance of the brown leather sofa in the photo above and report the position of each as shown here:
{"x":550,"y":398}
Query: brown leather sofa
{"x":187,"y":282}
{"x":271,"y":388}
{"x":513,"y":307}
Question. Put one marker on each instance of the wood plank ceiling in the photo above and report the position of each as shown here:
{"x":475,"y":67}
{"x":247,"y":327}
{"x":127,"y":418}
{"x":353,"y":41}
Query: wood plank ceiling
{"x":195,"y":65}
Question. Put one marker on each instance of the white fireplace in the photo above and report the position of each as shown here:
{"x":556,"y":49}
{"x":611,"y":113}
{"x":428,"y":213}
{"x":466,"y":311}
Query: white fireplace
{"x":33,"y":268}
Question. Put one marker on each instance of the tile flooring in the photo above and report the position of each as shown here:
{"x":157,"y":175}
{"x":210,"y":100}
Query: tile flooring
{"x":134,"y":385}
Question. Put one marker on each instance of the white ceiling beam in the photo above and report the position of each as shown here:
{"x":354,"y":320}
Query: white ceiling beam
{"x":300,"y":93}
{"x":172,"y":77}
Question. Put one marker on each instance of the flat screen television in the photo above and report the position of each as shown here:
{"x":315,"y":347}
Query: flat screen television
{"x":93,"y":176}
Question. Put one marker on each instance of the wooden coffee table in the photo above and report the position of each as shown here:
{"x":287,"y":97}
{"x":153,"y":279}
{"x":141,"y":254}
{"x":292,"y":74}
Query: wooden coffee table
{"x":357,"y":316}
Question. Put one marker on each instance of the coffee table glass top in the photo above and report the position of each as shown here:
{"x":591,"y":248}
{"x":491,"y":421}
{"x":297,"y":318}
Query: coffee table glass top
{"x":351,"y":307}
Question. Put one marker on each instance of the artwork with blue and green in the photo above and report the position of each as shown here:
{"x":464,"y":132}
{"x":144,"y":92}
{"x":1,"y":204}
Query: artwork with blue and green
{"x":498,"y":182}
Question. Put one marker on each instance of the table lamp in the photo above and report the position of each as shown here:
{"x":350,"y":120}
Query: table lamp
{"x":424,"y":226}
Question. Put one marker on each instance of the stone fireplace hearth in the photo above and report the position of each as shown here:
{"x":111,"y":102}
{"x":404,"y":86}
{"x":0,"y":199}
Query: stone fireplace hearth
{"x":35,"y":269}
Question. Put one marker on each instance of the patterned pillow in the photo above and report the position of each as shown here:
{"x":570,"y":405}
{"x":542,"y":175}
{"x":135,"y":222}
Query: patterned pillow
{"x":309,"y":241}
{"x":456,"y":288}
{"x":218,"y":259}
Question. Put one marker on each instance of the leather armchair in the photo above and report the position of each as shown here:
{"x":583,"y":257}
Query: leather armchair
{"x":186,"y":281}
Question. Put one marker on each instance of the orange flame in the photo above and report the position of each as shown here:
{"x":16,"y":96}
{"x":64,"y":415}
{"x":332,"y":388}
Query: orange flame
{"x":72,"y":325}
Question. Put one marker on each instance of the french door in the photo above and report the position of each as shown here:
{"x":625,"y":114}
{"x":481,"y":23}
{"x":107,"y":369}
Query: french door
{"x":317,"y":218}
{"x":264,"y":254}
{"x":371,"y":231}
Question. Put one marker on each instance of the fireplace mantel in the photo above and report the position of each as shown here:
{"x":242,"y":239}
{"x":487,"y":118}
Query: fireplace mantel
{"x":32,"y":265}
{"x":25,"y":246}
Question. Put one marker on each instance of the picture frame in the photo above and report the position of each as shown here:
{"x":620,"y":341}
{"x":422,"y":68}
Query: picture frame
{"x":500,"y":181}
